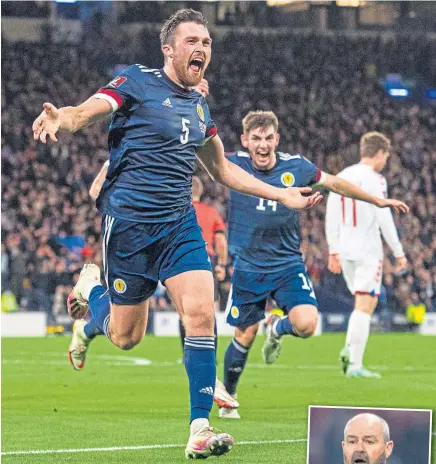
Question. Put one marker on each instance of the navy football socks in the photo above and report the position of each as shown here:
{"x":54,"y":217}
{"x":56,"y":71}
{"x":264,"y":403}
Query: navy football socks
{"x":284,"y":327}
{"x":234,"y":362}
{"x":100,"y":308}
{"x":199,"y":359}
{"x":91,"y":329}
{"x":183,"y":333}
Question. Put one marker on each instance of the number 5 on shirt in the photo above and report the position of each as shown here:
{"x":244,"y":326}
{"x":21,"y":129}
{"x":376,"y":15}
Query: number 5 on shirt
{"x":185,"y":131}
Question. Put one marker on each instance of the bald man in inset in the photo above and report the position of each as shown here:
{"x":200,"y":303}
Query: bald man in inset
{"x":366,"y":440}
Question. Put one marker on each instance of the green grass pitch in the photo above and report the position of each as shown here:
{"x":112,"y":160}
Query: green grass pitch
{"x":121,"y":400}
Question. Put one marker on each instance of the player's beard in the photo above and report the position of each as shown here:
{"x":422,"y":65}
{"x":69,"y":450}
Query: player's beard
{"x":184,"y":73}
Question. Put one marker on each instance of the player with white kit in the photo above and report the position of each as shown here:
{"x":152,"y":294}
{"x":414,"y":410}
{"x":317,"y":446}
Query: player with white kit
{"x":355,"y":246}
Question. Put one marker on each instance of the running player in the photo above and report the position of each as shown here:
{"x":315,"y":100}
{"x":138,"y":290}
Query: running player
{"x":213,"y":232}
{"x":150,"y":232}
{"x":355,"y":246}
{"x":264,"y":240}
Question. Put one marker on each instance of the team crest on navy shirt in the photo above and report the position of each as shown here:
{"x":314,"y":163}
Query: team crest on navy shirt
{"x":200,"y":112}
{"x":201,"y":123}
{"x":288,"y":179}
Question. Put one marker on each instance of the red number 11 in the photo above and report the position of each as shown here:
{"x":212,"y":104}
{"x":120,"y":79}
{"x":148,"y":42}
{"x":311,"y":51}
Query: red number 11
{"x":353,"y":208}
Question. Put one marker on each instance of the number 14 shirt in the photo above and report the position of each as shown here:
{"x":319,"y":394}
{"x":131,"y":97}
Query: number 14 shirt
{"x":264,"y":235}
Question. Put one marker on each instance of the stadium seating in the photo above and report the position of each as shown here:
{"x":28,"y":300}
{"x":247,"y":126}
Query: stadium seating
{"x":325,"y":92}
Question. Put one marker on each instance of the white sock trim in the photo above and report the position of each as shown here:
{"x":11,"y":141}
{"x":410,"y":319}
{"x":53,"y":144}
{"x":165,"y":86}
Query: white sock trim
{"x":274,"y":327}
{"x":198,"y":424}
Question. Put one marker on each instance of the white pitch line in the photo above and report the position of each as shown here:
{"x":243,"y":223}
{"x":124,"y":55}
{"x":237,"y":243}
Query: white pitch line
{"x":143,"y":447}
{"x":116,"y":360}
{"x":128,"y":361}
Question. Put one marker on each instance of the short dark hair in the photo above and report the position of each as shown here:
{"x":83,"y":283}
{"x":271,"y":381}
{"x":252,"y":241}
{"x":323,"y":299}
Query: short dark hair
{"x":255,"y":119}
{"x":372,"y":142}
{"x":186,"y":15}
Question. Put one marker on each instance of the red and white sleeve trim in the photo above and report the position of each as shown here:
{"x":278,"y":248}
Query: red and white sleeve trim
{"x":110,"y":96}
{"x":210,"y":133}
{"x":319,"y":177}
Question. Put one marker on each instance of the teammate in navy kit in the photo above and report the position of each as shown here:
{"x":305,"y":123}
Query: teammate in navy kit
{"x":150,"y":233}
{"x":264,"y":240}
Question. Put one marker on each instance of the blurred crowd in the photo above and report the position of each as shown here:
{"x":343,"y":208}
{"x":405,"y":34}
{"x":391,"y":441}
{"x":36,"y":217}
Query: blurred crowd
{"x":258,"y":13}
{"x":325,"y":92}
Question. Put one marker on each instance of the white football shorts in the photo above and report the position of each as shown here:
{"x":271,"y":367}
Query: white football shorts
{"x":363,"y":276}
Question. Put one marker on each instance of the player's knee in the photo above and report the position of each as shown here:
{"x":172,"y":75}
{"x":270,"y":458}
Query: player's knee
{"x":365,"y":303}
{"x":308,"y":326}
{"x":199,"y":318}
{"x":126,"y":342}
{"x":367,"y":308}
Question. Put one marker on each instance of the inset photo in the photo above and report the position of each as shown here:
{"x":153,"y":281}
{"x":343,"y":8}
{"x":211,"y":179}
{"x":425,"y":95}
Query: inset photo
{"x":368,"y":435}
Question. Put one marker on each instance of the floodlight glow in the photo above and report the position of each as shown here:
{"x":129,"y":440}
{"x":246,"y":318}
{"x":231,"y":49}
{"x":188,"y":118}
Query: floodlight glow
{"x":399,"y":92}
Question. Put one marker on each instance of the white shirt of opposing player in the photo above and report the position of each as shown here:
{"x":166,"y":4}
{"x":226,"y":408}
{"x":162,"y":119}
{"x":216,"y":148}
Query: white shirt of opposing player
{"x":353,"y":227}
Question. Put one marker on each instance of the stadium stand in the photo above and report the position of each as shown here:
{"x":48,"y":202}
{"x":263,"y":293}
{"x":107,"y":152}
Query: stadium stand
{"x":326,"y":93}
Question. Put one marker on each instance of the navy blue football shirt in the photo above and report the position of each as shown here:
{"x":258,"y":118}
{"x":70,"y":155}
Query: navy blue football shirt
{"x":156,"y":129}
{"x":264,"y":235}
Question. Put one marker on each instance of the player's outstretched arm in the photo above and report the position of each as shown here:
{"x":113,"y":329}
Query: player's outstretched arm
{"x":347,"y":189}
{"x":68,"y":118}
{"x":232,"y":176}
{"x":332,"y":231}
